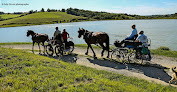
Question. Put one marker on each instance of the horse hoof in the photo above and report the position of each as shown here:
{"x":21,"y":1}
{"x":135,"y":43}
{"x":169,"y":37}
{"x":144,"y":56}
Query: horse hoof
{"x":107,"y":56}
{"x":95,"y":57}
{"x":86,"y":53}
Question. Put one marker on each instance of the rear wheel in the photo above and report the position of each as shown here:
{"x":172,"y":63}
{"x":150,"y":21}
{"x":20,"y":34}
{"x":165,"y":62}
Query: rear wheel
{"x":59,"y":50}
{"x":118,"y":55}
{"x":49,"y":50}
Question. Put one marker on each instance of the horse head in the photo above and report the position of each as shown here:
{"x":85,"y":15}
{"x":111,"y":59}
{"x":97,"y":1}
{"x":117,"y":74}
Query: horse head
{"x":30,"y":32}
{"x":81,"y":32}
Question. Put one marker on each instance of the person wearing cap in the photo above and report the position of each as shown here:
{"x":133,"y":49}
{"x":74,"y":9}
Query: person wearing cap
{"x":143,"y":39}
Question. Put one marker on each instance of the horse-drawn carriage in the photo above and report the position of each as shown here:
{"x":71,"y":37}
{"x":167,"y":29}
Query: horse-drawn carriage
{"x":131,"y":52}
{"x":53,"y":45}
{"x":59,"y":48}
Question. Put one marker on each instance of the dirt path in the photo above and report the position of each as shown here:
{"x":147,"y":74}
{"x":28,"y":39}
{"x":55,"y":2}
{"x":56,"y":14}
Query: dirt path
{"x":153,"y":72}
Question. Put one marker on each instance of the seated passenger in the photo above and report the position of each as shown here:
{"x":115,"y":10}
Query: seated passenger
{"x":143,"y":39}
{"x":132,"y":35}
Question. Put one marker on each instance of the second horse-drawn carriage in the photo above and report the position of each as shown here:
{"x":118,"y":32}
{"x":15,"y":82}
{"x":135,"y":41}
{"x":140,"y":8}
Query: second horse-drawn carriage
{"x":131,"y":51}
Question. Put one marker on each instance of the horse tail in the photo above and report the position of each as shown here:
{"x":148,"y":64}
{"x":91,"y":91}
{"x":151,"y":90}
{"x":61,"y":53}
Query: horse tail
{"x":47,"y":38}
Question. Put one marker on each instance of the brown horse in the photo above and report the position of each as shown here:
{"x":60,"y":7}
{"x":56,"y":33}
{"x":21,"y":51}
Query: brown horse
{"x":38,"y":38}
{"x":94,"y":38}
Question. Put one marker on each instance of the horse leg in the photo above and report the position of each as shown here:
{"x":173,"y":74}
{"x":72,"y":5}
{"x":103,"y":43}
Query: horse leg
{"x":94,"y":55}
{"x":87,"y":49}
{"x":102,"y":53}
{"x":44,"y":47}
{"x":107,"y":46}
{"x":39,"y":48}
{"x":33,"y":47}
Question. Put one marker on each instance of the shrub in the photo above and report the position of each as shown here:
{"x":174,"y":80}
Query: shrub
{"x":164,"y":48}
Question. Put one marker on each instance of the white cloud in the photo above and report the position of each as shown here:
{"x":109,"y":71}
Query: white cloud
{"x":144,"y":10}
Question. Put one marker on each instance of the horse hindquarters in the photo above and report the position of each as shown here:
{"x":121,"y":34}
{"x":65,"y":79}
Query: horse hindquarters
{"x":107,"y":45}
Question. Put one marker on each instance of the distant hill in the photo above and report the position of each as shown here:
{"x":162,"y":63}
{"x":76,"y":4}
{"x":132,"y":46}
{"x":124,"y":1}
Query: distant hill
{"x":38,"y":18}
{"x":52,"y":16}
{"x":115,"y":16}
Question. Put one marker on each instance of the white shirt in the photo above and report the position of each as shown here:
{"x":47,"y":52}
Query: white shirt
{"x":56,"y":33}
{"x":143,"y":38}
{"x":134,"y":32}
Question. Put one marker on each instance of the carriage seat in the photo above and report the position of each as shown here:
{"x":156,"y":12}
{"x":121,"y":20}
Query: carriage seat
{"x":132,"y":44}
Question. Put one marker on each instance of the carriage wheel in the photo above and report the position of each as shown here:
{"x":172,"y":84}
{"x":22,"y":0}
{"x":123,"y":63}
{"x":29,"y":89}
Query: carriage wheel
{"x":71,"y":48}
{"x":49,"y":50}
{"x":133,"y":58}
{"x":118,"y":55}
{"x":59,"y":50}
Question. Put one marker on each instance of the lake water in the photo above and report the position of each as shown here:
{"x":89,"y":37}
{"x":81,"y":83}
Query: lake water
{"x":161,"y":32}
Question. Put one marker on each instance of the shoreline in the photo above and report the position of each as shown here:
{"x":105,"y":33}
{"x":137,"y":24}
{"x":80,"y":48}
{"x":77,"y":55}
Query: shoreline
{"x":23,"y":25}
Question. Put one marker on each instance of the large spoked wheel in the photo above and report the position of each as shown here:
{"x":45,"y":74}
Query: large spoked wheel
{"x":118,"y":55}
{"x":71,"y":48}
{"x":49,"y":50}
{"x":135,"y":57}
{"x":59,"y":50}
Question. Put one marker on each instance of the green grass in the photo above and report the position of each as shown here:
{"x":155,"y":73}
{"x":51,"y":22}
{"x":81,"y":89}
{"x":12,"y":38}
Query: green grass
{"x":16,"y":43}
{"x":39,"y":18}
{"x":7,"y":16}
{"x":23,"y":71}
{"x":164,"y":53}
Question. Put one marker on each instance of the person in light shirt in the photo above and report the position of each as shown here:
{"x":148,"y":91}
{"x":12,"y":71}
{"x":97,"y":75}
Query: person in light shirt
{"x":132,"y":35}
{"x":58,"y":36}
{"x":143,"y":39}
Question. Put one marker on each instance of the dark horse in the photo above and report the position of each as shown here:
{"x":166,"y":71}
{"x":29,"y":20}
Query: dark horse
{"x":94,"y":38}
{"x":38,"y":38}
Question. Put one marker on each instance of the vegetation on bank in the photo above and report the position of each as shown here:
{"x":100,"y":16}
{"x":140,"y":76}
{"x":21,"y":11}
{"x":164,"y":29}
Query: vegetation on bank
{"x":114,"y":16}
{"x":41,"y":18}
{"x":23,"y":71}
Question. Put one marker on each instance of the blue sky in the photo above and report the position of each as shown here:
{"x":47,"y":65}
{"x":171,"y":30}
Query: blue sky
{"x":139,"y":7}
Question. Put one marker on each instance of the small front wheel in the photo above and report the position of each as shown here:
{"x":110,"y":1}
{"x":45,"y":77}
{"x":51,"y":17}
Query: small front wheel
{"x":49,"y":50}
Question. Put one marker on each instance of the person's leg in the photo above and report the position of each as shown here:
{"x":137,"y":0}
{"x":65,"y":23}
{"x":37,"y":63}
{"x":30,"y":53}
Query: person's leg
{"x":65,"y":41}
{"x":149,"y":54}
{"x":138,"y":52}
{"x":128,"y":38}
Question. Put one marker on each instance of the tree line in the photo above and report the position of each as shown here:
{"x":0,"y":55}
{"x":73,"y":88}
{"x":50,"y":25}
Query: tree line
{"x":100,"y":15}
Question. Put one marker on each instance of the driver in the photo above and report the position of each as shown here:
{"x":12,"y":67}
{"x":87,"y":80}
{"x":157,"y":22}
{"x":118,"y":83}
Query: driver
{"x":57,"y":36}
{"x":132,"y":35}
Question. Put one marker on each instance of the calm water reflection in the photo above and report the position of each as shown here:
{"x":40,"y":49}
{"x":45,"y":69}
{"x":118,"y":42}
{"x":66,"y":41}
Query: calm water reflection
{"x":161,"y":32}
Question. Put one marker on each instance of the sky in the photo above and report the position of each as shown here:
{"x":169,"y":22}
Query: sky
{"x":138,"y":7}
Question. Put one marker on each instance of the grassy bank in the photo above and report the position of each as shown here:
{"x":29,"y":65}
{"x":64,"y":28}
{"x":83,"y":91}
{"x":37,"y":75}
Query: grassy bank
{"x":23,"y":71}
{"x":39,"y":18}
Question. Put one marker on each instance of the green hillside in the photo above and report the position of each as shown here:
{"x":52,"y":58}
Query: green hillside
{"x":40,"y":18}
{"x":7,"y":16}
